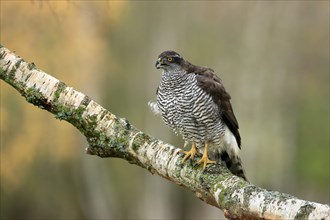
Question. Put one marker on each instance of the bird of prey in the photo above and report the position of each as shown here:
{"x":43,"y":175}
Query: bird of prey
{"x":193,"y":102}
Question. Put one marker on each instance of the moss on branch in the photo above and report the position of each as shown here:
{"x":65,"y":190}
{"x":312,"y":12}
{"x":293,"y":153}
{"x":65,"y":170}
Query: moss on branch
{"x":110,"y":136}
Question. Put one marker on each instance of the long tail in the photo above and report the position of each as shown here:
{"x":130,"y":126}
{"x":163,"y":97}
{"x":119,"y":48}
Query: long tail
{"x":233,"y":163}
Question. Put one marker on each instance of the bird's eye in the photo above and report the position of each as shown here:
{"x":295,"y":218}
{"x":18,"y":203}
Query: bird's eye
{"x":169,"y":59}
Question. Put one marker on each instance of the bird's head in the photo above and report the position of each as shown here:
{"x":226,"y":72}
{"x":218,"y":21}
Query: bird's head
{"x":169,"y":60}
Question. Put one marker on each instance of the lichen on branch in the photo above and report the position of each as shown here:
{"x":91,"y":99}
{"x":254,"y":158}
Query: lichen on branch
{"x":111,"y":136}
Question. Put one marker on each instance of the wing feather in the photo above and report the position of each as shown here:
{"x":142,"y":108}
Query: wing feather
{"x":211,"y":83}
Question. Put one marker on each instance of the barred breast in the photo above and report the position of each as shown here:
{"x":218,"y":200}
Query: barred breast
{"x":189,"y":111}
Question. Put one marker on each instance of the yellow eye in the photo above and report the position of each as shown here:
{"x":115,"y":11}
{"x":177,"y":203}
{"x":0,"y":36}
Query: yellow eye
{"x":169,"y":59}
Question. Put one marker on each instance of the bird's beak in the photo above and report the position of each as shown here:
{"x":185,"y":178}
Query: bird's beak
{"x":159,"y":63}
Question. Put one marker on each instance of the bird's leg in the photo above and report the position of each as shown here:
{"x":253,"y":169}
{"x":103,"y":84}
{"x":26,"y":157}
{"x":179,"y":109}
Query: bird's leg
{"x":191,"y":153}
{"x":205,"y":159}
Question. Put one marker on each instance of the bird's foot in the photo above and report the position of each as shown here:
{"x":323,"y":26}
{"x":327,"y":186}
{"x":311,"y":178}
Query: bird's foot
{"x":191,"y":153}
{"x":205,"y":159}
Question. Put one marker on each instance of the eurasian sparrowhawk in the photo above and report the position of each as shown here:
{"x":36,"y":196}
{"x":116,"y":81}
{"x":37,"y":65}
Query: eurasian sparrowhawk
{"x":194,"y":103}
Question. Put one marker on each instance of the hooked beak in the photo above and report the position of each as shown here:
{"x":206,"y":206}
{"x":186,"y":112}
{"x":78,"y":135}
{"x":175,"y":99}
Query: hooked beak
{"x":159,"y":63}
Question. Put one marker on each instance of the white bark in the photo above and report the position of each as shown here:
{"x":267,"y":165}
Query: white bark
{"x":110,"y":136}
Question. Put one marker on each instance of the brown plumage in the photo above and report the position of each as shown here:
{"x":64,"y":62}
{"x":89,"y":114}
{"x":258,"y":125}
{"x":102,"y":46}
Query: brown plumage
{"x":194,"y":103}
{"x":212,"y":84}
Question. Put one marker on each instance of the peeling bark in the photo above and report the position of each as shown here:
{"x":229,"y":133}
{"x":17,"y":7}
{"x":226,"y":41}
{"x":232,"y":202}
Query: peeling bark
{"x":110,"y":136}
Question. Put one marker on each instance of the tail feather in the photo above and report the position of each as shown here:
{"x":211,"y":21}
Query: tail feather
{"x":233,"y":163}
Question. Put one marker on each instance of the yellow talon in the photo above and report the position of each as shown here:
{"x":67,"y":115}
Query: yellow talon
{"x":205,"y":158}
{"x":191,"y":153}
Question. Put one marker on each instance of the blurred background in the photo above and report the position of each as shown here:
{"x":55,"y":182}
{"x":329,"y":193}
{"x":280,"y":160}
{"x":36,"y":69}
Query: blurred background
{"x":272,"y":56}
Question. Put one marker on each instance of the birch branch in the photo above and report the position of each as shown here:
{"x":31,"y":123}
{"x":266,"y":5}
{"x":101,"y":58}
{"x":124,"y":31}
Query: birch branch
{"x":111,"y":136}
